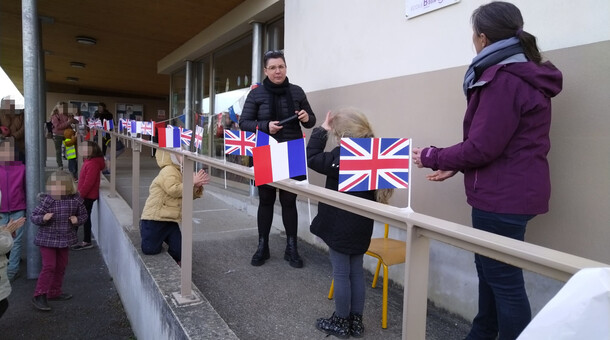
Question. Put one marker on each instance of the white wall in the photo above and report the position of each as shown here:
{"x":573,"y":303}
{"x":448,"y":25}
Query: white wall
{"x":342,"y":42}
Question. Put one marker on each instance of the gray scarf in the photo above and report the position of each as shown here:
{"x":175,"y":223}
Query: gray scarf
{"x":489,"y":56}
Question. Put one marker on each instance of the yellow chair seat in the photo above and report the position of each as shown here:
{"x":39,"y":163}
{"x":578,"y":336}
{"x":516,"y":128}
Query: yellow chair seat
{"x":390,"y":251}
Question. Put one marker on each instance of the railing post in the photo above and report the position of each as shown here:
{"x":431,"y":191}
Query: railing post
{"x":186,"y":294}
{"x":113,"y":141}
{"x":135,"y":184}
{"x":415,"y":285}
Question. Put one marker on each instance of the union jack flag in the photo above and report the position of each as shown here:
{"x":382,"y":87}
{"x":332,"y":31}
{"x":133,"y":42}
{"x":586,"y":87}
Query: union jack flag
{"x":125,"y":124}
{"x":198,"y":136}
{"x":374,"y":163}
{"x":239,"y":142}
{"x":185,"y":136}
{"x":148,"y":128}
{"x":95,"y":123}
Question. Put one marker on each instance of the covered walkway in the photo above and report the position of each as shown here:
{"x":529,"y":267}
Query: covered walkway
{"x":274,"y":301}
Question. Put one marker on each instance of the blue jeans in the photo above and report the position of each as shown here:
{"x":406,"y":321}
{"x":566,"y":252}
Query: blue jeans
{"x":349,"y":283}
{"x":504,"y":308}
{"x":154,"y":233}
{"x":15,"y":257}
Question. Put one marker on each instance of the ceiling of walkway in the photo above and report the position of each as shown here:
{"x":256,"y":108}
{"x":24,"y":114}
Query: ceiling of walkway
{"x":131,"y":37}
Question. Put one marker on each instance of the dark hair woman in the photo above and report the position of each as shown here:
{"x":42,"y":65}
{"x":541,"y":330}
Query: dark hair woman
{"x":266,"y":107}
{"x":503,"y":155}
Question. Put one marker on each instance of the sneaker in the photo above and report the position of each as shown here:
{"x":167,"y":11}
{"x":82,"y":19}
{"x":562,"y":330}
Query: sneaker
{"x":61,"y":297}
{"x":82,"y":246}
{"x":40,"y":302}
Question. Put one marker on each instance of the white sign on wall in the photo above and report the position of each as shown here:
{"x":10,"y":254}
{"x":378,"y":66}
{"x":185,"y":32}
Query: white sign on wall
{"x":419,"y":7}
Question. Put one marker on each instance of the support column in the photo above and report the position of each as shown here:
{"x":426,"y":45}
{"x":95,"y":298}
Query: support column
{"x":31,"y":87}
{"x":257,"y":50}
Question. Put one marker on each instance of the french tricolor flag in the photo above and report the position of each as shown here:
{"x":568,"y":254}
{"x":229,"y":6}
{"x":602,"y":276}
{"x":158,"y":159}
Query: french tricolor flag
{"x":108,"y":125}
{"x":169,"y":137}
{"x":276,"y":162}
{"x":263,"y":139}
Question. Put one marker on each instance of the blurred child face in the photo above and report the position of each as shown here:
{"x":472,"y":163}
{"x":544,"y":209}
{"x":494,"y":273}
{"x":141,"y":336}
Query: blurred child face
{"x":85,"y":150}
{"x":57,"y":188}
{"x":7,"y":152}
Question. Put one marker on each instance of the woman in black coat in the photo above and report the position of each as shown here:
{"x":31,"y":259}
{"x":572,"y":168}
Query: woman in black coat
{"x":277,"y":108}
{"x":347,"y":235}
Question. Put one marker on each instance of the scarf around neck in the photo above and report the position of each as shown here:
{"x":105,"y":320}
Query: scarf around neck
{"x":489,"y":56}
{"x":275,"y":92}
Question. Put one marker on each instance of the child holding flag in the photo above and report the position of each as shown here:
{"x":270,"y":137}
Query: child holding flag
{"x":163,"y":207}
{"x":347,"y":235}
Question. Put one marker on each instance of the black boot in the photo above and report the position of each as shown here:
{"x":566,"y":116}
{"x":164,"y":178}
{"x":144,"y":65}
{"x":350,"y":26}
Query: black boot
{"x":334,"y":325}
{"x":356,"y":326}
{"x":40,"y":302}
{"x":291,"y":254}
{"x":262,"y":253}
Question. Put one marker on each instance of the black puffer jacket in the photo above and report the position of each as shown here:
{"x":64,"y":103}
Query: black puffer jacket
{"x":257,"y":112}
{"x":341,"y":230}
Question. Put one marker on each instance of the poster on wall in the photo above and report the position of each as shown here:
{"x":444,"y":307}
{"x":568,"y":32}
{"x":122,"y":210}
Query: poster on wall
{"x":130,"y":111}
{"x":83,"y":108}
{"x":415,"y":8}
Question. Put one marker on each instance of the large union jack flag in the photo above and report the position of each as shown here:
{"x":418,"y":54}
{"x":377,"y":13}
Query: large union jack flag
{"x":374,"y":163}
{"x":239,"y":142}
{"x":185,"y":136}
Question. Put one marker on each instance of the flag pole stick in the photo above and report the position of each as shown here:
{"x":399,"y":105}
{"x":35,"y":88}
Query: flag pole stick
{"x":410,"y":169}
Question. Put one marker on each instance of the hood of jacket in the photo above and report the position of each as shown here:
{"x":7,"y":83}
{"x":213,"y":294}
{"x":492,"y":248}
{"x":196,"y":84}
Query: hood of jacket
{"x":69,"y":133}
{"x":545,"y":77}
{"x":164,"y":159}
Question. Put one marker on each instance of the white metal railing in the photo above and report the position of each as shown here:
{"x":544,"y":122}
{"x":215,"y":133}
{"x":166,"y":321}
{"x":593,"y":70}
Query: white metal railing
{"x":420,"y":229}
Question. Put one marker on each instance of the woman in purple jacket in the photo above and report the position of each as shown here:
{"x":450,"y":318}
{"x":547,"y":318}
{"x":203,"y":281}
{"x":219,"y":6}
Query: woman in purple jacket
{"x":503,"y":155}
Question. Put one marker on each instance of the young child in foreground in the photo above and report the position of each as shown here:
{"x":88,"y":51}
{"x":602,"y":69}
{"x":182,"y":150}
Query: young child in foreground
{"x":59,"y":213}
{"x":347,"y":235}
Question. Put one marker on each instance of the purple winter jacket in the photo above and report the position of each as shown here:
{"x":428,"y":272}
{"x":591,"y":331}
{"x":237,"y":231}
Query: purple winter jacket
{"x":12,"y":186}
{"x":506,"y":139}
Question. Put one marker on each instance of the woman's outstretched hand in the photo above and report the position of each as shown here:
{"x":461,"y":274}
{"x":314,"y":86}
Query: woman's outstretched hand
{"x":440,"y":175}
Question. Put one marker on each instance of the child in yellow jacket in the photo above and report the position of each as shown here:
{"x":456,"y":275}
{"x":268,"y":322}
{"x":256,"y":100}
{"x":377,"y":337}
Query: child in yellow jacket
{"x":70,"y":144}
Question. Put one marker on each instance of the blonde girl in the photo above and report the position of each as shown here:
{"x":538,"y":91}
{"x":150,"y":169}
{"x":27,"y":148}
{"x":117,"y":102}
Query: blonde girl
{"x":347,"y":235}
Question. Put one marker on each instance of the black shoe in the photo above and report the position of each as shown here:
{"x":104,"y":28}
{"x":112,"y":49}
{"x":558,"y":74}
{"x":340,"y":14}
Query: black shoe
{"x":334,"y":325}
{"x":61,"y":297}
{"x":356,"y":327}
{"x":262,"y":252}
{"x":291,"y":254}
{"x":40,"y":302}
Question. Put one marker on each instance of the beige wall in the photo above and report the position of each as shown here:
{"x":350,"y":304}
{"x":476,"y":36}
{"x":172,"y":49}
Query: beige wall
{"x":429,"y":108}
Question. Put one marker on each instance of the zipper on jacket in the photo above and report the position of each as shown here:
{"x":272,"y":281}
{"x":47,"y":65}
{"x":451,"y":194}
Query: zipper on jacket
{"x":476,"y":178}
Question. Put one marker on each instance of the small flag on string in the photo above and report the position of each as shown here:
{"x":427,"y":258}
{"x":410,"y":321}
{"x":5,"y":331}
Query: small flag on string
{"x":279,"y":161}
{"x":148,"y":128}
{"x":108,"y":124}
{"x":198,"y":136}
{"x":169,"y":137}
{"x":239,"y":142}
{"x":136,"y":127}
{"x":185,"y":136}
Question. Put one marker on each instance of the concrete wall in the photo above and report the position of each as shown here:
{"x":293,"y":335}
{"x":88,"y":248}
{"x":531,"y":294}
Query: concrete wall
{"x":146,"y":283}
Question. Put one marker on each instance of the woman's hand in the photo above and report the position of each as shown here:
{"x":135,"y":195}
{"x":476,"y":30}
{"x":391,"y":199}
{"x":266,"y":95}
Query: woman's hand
{"x":273,"y":127}
{"x":303,"y":116}
{"x":416,"y":157}
{"x":201,"y":178}
{"x":13,"y":225}
{"x":326,"y":124}
{"x":440,"y":175}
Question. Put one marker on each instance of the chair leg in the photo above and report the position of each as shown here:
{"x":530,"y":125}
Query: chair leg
{"x":376,"y":274}
{"x":331,"y":291}
{"x":384,"y":312}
